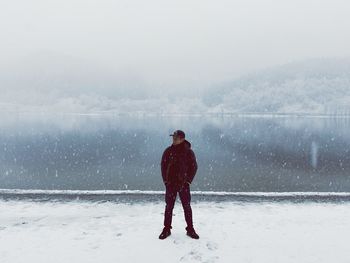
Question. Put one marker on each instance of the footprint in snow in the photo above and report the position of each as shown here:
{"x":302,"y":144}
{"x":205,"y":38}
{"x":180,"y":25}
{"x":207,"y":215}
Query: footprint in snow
{"x":20,"y":223}
{"x":212,"y":245}
{"x":191,"y":256}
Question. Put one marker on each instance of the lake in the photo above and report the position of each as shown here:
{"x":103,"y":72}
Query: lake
{"x":234,"y":153}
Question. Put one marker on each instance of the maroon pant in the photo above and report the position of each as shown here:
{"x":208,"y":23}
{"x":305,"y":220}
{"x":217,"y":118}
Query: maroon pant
{"x":170,"y":198}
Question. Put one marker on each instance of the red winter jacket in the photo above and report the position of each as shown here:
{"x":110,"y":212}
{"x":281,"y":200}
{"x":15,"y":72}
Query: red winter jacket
{"x":178,"y":164}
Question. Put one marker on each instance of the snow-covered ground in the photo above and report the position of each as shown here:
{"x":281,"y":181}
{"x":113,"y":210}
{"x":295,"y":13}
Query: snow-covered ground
{"x":81,"y":231}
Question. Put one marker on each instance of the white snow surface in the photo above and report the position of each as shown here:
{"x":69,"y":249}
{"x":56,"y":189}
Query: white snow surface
{"x":78,"y":231}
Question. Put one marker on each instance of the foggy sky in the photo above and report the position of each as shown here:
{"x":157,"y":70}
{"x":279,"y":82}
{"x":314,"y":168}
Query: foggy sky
{"x":186,"y":42}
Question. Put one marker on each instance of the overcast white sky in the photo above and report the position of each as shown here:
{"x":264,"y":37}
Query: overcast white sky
{"x":179,"y":41}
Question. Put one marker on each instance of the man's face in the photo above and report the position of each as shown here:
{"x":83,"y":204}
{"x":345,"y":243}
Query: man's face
{"x":177,"y":140}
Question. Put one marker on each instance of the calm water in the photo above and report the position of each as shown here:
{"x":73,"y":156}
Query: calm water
{"x":120,"y":152}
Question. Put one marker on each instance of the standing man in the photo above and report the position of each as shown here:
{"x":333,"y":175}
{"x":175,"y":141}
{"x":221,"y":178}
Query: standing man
{"x":178,"y":166}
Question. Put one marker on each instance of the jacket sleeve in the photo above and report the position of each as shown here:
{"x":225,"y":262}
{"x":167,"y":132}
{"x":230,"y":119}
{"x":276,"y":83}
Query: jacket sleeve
{"x":192,"y":166}
{"x":163,"y":165}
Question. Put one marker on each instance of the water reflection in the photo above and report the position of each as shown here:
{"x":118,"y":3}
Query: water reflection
{"x":121,"y":152}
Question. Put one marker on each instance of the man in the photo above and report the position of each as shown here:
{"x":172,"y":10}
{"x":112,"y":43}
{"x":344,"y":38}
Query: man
{"x":178,"y":167}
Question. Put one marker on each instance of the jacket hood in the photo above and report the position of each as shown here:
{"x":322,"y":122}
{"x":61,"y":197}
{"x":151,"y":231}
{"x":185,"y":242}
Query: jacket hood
{"x":185,"y":143}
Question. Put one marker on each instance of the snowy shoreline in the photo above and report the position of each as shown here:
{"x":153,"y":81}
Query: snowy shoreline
{"x":137,"y":196}
{"x":151,"y":192}
{"x":229,"y":232}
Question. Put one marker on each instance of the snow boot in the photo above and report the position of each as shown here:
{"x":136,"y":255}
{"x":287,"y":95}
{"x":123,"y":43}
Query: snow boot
{"x":165,"y":233}
{"x":191,"y":232}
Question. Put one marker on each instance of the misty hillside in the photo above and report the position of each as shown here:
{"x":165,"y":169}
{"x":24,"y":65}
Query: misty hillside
{"x":56,"y":83}
{"x":320,"y":86}
{"x":62,"y":75}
